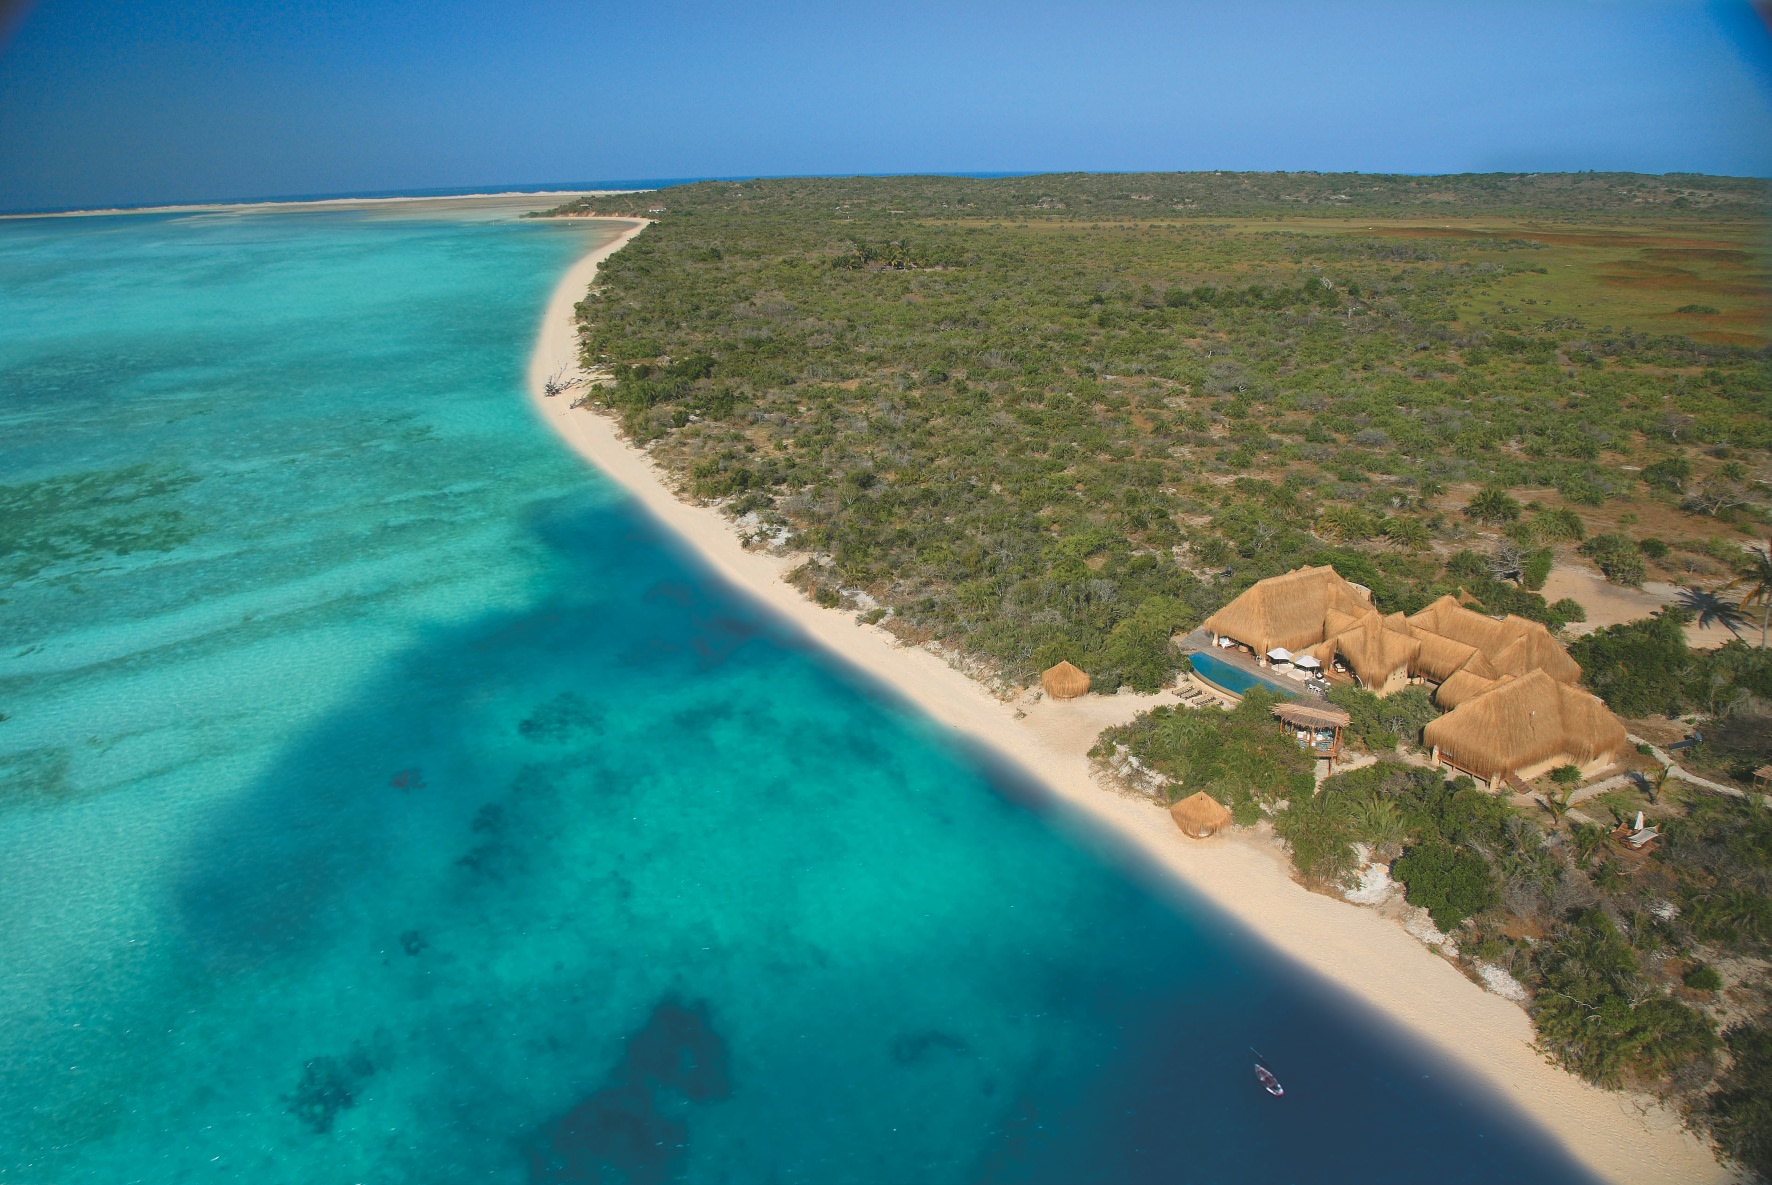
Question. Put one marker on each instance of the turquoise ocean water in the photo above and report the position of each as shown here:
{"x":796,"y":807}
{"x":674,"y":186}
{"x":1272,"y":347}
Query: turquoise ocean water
{"x":384,"y":799}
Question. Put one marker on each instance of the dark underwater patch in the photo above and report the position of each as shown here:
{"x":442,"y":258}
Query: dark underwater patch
{"x":561,"y":720}
{"x":671,"y":592}
{"x":720,"y":638}
{"x":80,"y":518}
{"x":328,"y":1085}
{"x":910,"y":1049}
{"x":34,"y":775}
{"x":523,"y":632}
{"x":633,"y":1129}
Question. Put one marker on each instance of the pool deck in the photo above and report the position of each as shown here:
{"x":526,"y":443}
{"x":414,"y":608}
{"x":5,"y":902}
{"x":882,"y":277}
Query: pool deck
{"x":1200,"y":642}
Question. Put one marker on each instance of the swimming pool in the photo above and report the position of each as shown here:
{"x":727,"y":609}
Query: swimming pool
{"x":1234,"y":679}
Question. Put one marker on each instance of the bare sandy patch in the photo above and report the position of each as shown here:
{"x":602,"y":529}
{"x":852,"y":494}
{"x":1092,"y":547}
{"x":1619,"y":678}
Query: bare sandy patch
{"x":1613,"y":604}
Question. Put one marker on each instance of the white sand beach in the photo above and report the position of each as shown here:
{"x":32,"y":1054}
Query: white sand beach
{"x":1620,"y":1137}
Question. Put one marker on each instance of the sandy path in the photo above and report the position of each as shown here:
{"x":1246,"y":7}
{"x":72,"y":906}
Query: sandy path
{"x":1620,"y":1137}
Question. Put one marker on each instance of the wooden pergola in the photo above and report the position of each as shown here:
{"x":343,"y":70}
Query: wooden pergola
{"x":1317,"y":729}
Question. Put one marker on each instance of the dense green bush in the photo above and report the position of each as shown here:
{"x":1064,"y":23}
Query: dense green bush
{"x":1701,"y":978}
{"x":1382,"y":723}
{"x":1641,"y":667}
{"x":1618,"y":558}
{"x":1568,"y":609}
{"x":1669,"y":473}
{"x":1560,"y":525}
{"x":1644,"y":667}
{"x":1739,"y":1113}
{"x":1450,"y":883}
{"x":1538,"y":570}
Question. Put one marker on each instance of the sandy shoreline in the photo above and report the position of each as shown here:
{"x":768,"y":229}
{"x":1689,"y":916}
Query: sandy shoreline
{"x":1620,"y":1137}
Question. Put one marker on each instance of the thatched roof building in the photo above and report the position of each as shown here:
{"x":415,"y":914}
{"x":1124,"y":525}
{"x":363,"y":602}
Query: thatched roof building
{"x":1510,"y":645}
{"x":1460,"y":686}
{"x":1507,"y":685}
{"x":1441,"y":657}
{"x":1526,"y":726}
{"x":1314,"y":612}
{"x":1377,"y":649}
{"x":1287,"y":610}
{"x":1200,"y":815}
{"x":1064,"y":681}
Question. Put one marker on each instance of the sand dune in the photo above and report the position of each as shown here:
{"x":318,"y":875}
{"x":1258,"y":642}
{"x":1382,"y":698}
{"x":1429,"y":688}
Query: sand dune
{"x":1620,"y":1137}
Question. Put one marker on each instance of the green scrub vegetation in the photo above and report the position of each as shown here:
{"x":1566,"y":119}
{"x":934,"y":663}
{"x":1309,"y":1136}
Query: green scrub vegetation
{"x":1239,"y":757}
{"x":1018,"y":413}
{"x":1646,"y":667}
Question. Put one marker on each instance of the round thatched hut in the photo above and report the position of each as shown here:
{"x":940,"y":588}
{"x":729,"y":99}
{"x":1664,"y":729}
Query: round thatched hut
{"x":1200,"y":815}
{"x":1064,"y":681}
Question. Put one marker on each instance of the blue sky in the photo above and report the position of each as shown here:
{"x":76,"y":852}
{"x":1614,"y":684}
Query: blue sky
{"x":159,"y":100}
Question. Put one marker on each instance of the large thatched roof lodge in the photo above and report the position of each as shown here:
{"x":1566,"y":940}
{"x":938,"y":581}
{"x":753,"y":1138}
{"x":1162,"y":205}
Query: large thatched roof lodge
{"x":1508,"y":688}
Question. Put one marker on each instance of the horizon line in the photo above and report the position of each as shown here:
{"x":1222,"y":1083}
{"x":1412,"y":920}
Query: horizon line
{"x":642,"y":185}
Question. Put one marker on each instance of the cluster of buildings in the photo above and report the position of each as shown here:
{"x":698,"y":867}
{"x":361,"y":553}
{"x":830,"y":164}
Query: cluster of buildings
{"x":1509,"y":691}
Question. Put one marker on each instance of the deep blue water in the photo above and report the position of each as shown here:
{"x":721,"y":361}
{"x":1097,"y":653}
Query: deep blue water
{"x":383,"y":798}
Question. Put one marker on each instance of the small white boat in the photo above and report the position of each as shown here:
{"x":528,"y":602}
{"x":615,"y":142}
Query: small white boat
{"x":1266,"y":1077}
{"x":1268,"y":1082}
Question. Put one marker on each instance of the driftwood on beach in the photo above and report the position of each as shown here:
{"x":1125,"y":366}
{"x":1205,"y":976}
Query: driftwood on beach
{"x":558,"y":384}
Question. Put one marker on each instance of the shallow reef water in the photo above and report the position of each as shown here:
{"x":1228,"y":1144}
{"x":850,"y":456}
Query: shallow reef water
{"x":384,"y":798}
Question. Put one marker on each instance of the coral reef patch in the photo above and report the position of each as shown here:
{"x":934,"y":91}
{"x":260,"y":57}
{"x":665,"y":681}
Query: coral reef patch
{"x":633,"y":1129}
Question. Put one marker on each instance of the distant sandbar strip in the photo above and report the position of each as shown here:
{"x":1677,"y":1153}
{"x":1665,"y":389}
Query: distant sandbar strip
{"x":543,"y":197}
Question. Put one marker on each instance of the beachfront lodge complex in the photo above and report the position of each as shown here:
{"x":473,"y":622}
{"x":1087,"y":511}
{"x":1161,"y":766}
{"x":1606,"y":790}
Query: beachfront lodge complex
{"x":1508,"y":689}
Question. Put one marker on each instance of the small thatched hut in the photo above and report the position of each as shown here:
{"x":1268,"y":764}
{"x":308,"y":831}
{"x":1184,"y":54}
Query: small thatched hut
{"x":1200,"y":815}
{"x":1064,"y":681}
{"x":1317,"y":728}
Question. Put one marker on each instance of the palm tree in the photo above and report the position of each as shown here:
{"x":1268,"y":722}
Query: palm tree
{"x":1654,"y":783}
{"x":1557,"y":803}
{"x":1378,"y":823}
{"x":1757,"y":572}
{"x":1589,"y":838}
{"x":1410,"y":534}
{"x":1708,"y":609}
{"x":1493,"y":506}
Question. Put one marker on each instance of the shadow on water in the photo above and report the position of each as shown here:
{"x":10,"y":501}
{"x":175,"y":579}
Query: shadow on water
{"x":407,"y":756}
{"x":544,"y":775}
